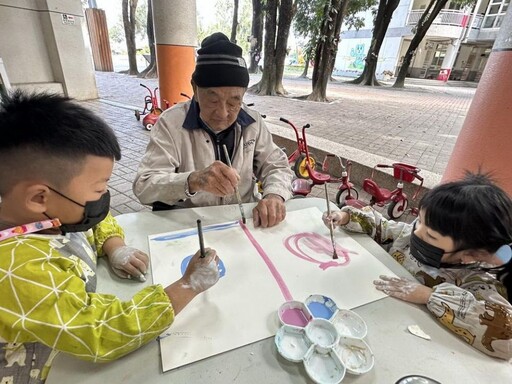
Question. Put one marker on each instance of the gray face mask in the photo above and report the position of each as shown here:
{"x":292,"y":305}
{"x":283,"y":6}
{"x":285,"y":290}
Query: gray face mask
{"x":94,"y":212}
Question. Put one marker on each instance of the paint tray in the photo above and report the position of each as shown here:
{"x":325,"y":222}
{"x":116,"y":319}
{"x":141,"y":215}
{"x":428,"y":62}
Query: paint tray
{"x":326,"y":339}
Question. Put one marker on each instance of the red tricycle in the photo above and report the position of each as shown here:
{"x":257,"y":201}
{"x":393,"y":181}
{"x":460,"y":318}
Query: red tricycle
{"x":151,"y":109}
{"x":397,"y":199}
{"x":300,"y":156}
{"x":308,"y":177}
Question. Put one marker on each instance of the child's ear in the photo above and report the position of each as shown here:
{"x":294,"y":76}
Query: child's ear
{"x":36,"y":198}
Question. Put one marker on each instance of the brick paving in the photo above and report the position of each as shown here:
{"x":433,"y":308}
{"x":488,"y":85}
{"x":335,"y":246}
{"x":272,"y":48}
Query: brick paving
{"x":417,"y":125}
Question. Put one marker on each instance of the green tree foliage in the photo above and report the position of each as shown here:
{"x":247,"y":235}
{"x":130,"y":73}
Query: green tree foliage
{"x":311,"y":13}
{"x":307,"y":22}
{"x":319,"y":22}
{"x":223,"y":21}
{"x":116,"y":31}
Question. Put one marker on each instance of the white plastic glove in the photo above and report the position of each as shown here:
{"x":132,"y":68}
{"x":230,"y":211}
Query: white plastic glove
{"x":404,"y":289}
{"x":128,"y":262}
{"x":202,"y":273}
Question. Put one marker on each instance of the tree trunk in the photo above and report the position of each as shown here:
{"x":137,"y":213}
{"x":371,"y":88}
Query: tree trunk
{"x":234,"y":24}
{"x":129,"y":32}
{"x":286,"y":12}
{"x":256,"y":35}
{"x":382,"y":20}
{"x":277,"y":30}
{"x":304,"y":74}
{"x":421,"y":30}
{"x":151,"y":71}
{"x":327,"y":47}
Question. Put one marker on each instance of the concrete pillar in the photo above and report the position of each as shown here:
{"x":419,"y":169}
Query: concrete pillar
{"x":485,"y":141}
{"x":449,"y":60}
{"x":176,"y":38}
{"x":63,"y":23}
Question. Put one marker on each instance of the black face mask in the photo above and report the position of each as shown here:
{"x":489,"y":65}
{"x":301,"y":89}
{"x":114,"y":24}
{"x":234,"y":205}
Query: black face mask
{"x":424,"y":252}
{"x":94,"y":213}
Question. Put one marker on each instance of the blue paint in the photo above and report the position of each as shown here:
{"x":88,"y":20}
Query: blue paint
{"x":186,"y":260}
{"x":193,"y":232}
{"x":320,"y":310}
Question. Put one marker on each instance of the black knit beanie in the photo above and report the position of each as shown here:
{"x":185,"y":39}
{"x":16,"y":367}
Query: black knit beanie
{"x":219,"y":63}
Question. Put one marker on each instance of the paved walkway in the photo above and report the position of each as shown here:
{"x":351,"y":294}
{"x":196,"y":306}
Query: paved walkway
{"x":417,"y":125}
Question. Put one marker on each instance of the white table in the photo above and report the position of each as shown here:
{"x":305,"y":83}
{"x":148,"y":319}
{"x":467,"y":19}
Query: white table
{"x":398,"y":353}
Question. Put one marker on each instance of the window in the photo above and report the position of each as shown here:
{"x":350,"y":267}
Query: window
{"x":495,"y":13}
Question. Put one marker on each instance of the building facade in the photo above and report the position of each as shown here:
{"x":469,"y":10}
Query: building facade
{"x":456,"y":46}
{"x":43,"y":46}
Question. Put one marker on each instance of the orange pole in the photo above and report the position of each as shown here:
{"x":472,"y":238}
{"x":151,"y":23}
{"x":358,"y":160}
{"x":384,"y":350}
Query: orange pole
{"x":485,"y":141}
{"x":176,"y":39}
{"x":175,"y":67}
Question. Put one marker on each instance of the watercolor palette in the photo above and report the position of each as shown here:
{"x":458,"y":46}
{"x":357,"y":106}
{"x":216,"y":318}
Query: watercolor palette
{"x":326,"y":339}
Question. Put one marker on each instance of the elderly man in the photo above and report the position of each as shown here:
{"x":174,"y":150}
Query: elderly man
{"x":185,"y":165}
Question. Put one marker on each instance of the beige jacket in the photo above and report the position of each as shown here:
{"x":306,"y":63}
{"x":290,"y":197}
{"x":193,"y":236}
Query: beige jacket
{"x":174,"y":152}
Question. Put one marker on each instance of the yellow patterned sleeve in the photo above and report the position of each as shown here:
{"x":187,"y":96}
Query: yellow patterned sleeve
{"x":45,"y":301}
{"x":108,"y":228}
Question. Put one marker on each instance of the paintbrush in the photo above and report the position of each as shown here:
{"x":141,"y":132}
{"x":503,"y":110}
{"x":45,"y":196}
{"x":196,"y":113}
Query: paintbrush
{"x":237,"y":192}
{"x":331,"y":229}
{"x":201,"y":240}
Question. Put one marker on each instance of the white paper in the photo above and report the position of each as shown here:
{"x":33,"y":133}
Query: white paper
{"x":242,"y":307}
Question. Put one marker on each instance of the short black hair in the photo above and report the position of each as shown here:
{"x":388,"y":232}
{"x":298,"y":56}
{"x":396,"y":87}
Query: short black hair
{"x":48,"y":136}
{"x":473,"y":211}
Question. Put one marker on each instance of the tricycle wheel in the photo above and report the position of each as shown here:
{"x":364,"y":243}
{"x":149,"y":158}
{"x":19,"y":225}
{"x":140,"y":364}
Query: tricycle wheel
{"x":137,"y":114}
{"x":148,"y":126}
{"x":300,"y":166}
{"x":397,"y":208}
{"x":344,"y":194}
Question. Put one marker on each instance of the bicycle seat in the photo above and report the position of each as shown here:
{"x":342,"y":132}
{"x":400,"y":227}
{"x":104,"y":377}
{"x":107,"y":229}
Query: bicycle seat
{"x":319,"y":176}
{"x":380,"y":194}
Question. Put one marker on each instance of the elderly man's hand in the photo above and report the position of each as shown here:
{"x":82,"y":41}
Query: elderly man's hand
{"x":269,"y":212}
{"x":218,"y":179}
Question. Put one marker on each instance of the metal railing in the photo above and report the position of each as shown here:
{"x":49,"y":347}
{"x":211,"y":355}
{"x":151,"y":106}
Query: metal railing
{"x":447,"y":17}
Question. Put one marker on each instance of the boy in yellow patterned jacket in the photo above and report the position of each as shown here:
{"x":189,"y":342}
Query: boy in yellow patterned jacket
{"x":56,"y":158}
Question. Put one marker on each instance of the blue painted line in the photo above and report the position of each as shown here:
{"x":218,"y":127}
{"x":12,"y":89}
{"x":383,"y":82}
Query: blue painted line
{"x":193,"y":232}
